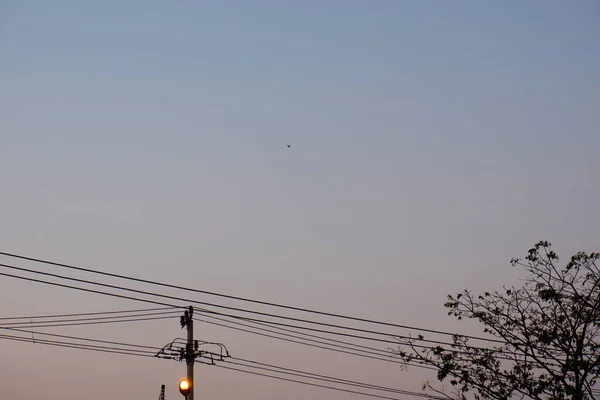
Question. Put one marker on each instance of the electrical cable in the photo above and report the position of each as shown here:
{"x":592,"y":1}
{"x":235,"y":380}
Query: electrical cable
{"x":96,"y":322}
{"x":308,"y":383}
{"x":325,"y":378}
{"x":321,"y":347}
{"x":209,"y":311}
{"x":306,"y":310}
{"x":86,"y":314}
{"x":225,"y":307}
{"x":357,"y":347}
{"x":92,"y":323}
{"x":218,"y":313}
{"x":89,"y":319}
{"x":286,"y":371}
{"x":67,"y":344}
{"x":371,"y":349}
{"x":86,"y":290}
{"x":338,"y":333}
{"x":83,"y":339}
{"x":77,"y":346}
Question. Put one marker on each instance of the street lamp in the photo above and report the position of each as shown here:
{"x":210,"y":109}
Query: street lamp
{"x":184,"y":387}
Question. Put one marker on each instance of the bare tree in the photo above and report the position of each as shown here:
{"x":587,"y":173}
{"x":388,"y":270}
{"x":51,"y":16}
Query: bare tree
{"x":545,"y":335}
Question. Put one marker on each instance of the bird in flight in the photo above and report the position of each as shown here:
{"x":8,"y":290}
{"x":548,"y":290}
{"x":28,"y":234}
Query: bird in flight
{"x":288,"y":145}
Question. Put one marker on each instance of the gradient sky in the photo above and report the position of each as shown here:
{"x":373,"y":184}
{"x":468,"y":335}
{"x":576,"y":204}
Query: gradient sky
{"x":431,"y":142}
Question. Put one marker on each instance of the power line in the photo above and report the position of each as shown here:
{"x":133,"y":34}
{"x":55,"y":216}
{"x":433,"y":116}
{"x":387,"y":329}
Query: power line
{"x":342,"y":334}
{"x":226,"y":307}
{"x":310,"y":329}
{"x":357,"y":347}
{"x":86,"y":346}
{"x":89,"y":319}
{"x":369,"y":350}
{"x":94,"y":323}
{"x":85,"y":290}
{"x":231,"y":308}
{"x":145,"y":353}
{"x":317,"y":346}
{"x":306,"y":310}
{"x":325,"y":378}
{"x":236,"y":309}
{"x":86,"y":314}
{"x":308,"y":383}
{"x":377,"y":354}
{"x":363,"y":353}
{"x":83,"y":339}
{"x":257,"y":365}
{"x":214,"y":305}
{"x":219,"y":306}
{"x":76,"y":346}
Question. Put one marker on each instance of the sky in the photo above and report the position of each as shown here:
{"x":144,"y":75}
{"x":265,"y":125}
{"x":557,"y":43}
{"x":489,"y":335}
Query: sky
{"x":431,"y":142}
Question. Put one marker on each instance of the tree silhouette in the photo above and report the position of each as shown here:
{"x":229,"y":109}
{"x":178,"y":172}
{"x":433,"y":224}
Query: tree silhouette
{"x":547,"y":335}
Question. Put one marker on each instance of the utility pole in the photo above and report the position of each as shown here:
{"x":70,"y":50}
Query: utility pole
{"x":190,"y":356}
{"x":189,"y":350}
